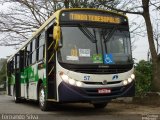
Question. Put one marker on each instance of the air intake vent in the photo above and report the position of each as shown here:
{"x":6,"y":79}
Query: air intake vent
{"x":101,"y":70}
{"x":100,"y":83}
{"x":95,"y":69}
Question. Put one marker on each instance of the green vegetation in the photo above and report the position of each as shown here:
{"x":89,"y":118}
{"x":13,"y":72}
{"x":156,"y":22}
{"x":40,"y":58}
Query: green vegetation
{"x":3,"y":72}
{"x":143,"y":72}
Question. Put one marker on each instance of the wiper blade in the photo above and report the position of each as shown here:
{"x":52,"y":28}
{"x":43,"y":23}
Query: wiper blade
{"x":88,"y":34}
{"x":109,"y":35}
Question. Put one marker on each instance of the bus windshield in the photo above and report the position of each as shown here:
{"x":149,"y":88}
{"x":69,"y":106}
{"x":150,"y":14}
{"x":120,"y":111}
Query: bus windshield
{"x":90,"y":45}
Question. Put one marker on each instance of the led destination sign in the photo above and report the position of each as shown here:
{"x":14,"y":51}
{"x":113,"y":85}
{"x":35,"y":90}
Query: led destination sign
{"x":92,"y":16}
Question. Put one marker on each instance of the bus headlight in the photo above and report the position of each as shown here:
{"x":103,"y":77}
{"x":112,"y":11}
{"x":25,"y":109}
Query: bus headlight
{"x":130,"y":80}
{"x":125,"y":82}
{"x":64,"y":77}
{"x":133,"y":76}
{"x":79,"y":84}
{"x":70,"y":81}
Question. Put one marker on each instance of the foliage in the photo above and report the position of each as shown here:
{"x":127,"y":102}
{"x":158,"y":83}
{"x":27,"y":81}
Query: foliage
{"x":3,"y":73}
{"x":143,"y":72}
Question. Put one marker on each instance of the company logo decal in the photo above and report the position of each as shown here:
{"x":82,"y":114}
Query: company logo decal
{"x":115,"y":77}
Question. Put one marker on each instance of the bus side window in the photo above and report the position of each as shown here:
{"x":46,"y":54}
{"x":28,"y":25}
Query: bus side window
{"x":10,"y":67}
{"x":40,"y":46}
{"x":37,"y":48}
{"x":33,"y":54}
{"x":29,"y":53}
{"x":25,"y":57}
{"x":17,"y":62}
{"x":14,"y":64}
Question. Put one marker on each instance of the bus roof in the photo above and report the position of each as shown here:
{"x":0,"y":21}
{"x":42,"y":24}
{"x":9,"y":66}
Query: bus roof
{"x":56,"y":17}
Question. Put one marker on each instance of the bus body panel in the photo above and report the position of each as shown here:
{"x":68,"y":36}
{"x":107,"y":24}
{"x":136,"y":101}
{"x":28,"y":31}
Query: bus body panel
{"x":12,"y":83}
{"x":34,"y":75}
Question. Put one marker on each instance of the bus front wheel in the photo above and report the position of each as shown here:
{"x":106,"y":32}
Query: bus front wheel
{"x":43,"y":103}
{"x":99,"y":105}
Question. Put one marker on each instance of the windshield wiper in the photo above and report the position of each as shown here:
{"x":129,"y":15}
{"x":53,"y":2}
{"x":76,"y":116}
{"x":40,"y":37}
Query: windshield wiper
{"x":109,"y":35}
{"x":88,"y":34}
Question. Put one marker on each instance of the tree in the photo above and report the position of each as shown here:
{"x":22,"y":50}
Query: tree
{"x":156,"y":36}
{"x":143,"y":72}
{"x":3,"y":72}
{"x":22,"y":18}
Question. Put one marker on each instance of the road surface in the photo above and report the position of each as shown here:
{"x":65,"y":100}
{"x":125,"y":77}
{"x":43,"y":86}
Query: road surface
{"x":76,"y":111}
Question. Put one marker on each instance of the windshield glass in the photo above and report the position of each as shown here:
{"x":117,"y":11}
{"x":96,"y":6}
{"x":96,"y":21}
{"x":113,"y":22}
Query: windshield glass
{"x":86,"y":45}
{"x":118,"y":44}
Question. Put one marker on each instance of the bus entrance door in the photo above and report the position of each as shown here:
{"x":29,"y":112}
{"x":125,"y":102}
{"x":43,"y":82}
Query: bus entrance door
{"x":17,"y":89}
{"x":50,"y":66}
{"x":22,"y":74}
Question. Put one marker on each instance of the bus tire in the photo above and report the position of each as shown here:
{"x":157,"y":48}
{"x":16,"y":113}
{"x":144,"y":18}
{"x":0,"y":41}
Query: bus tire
{"x":100,"y":105}
{"x":16,"y":100}
{"x":43,"y":103}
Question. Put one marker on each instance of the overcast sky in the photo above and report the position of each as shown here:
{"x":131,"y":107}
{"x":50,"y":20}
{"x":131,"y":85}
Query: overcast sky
{"x":140,"y":42}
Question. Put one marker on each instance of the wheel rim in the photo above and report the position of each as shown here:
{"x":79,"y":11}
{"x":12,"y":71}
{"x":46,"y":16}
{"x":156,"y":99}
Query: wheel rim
{"x":42,"y":97}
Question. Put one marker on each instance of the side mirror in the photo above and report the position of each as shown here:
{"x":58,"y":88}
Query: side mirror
{"x":57,"y":36}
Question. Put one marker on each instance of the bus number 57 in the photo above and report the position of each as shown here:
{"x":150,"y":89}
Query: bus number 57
{"x":86,"y":77}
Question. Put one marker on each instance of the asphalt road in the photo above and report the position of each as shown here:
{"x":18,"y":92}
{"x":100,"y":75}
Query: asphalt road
{"x":77,"y":111}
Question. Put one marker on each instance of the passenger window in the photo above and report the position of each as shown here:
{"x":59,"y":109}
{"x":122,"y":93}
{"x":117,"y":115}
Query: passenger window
{"x":42,"y":39}
{"x":33,"y":56}
{"x":33,"y":53}
{"x":17,"y":62}
{"x":40,"y":46}
{"x":29,"y":54}
{"x":41,"y":53}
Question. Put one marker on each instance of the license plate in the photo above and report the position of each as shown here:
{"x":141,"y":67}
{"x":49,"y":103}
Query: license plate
{"x":104,"y":91}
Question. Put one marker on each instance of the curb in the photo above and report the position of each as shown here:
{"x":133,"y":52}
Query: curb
{"x":2,"y":92}
{"x":151,"y":98}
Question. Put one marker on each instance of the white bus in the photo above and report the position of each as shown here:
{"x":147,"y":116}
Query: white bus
{"x":77,"y":55}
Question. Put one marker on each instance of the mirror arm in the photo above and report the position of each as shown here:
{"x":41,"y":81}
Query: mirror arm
{"x":56,"y":35}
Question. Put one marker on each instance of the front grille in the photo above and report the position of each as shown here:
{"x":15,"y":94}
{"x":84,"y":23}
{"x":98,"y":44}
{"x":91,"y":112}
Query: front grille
{"x":100,"y":83}
{"x":96,"y":69}
{"x":101,"y":71}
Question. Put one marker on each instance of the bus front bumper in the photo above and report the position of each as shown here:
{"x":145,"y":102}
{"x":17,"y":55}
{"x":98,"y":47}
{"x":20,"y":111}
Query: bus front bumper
{"x":69,"y":93}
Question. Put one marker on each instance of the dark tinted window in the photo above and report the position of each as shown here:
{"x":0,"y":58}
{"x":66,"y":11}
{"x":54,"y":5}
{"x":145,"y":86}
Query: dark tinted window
{"x":17,"y":62}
